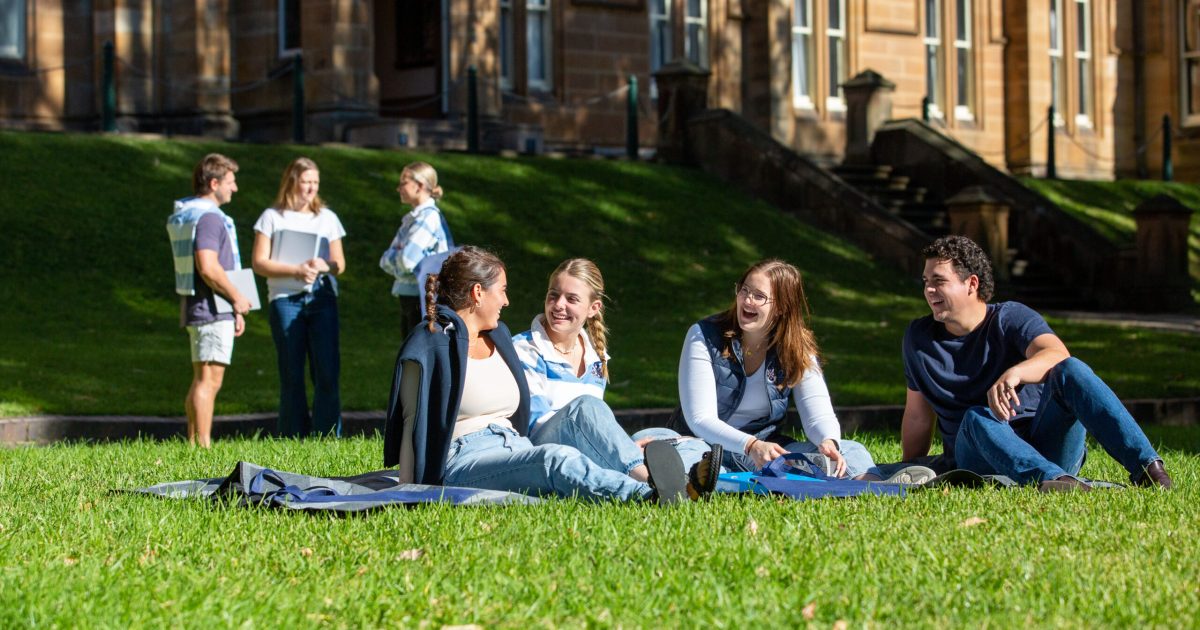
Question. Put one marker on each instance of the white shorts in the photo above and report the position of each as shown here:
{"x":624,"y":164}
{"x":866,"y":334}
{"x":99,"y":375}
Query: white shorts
{"x":212,"y":342}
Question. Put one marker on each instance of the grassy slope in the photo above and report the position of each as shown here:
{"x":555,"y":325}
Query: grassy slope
{"x":71,"y":553}
{"x":1108,"y":206}
{"x":90,"y":321}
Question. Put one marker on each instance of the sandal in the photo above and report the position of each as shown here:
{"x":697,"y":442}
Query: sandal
{"x":702,"y":478}
{"x":667,"y":478}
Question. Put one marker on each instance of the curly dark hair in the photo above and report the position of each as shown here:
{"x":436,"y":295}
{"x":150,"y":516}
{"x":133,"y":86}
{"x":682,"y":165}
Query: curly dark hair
{"x":968,"y":259}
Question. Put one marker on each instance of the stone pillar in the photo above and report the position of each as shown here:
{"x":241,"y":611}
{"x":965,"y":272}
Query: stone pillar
{"x":1162,"y":281}
{"x":976,"y":214}
{"x":197,"y":67}
{"x":682,"y":93}
{"x":339,"y":65}
{"x":868,"y":105}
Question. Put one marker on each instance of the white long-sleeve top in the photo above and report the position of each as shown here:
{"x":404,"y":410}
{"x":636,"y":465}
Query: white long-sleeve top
{"x":698,"y":397}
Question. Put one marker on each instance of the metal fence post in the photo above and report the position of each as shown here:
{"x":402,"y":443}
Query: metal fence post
{"x":1051,"y":167}
{"x":472,"y":111}
{"x":298,"y":99}
{"x":631,"y":119}
{"x":1168,"y":167}
{"x":108,"y":92}
{"x":925,"y":109}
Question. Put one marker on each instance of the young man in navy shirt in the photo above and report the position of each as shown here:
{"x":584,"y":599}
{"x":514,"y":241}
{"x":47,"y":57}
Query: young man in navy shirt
{"x":1001,"y":387}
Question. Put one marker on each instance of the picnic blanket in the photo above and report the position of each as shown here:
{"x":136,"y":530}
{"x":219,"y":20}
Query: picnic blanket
{"x":253,"y":485}
{"x":792,"y":475}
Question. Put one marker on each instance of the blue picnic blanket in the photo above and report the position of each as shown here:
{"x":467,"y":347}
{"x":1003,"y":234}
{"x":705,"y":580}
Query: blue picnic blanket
{"x":792,"y":475}
{"x":253,"y":485}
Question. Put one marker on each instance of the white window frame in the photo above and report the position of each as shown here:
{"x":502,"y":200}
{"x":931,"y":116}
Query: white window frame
{"x":1083,"y":63}
{"x":802,"y":56}
{"x":14,"y":50}
{"x":1188,"y":115}
{"x":505,"y":44}
{"x":660,"y":34}
{"x":964,"y":63}
{"x":532,"y":53}
{"x":281,"y":22}
{"x":934,"y":81}
{"x":1058,"y":74}
{"x":700,"y":23}
{"x":835,"y":37}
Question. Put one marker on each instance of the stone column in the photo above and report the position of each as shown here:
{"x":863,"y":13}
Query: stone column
{"x":1162,"y":281}
{"x":682,"y":93}
{"x":978,"y":215}
{"x":868,"y":105}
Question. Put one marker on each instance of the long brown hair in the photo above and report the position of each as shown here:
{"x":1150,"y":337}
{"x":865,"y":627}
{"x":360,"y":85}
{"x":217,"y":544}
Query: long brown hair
{"x":587,"y":272}
{"x":285,"y":199}
{"x":793,"y":341}
{"x":463,"y":270}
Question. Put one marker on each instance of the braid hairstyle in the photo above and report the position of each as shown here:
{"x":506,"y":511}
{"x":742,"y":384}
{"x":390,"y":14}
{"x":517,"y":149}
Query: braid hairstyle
{"x":463,"y":270}
{"x":793,"y":341}
{"x":587,"y":272}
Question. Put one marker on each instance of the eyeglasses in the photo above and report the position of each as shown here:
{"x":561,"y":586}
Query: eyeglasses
{"x":756,"y":298}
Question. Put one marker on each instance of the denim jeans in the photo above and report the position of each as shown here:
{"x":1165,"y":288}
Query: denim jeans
{"x":588,"y":424}
{"x":305,"y":327}
{"x":1074,"y":402}
{"x":691,"y":449}
{"x":497,"y":458}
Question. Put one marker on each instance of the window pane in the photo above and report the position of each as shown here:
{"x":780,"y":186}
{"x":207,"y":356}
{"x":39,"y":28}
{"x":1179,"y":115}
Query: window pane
{"x":801,"y":72}
{"x":1191,"y":26}
{"x":835,"y":14}
{"x":964,"y":77}
{"x":931,"y":18}
{"x":960,"y":22}
{"x":12,"y":29}
{"x":694,"y":9}
{"x":1054,"y":24}
{"x":1056,"y":85}
{"x":836,"y":66}
{"x":1085,"y":82}
{"x":506,"y":42}
{"x":291,"y":24}
{"x":535,"y":36}
{"x":801,"y":12}
{"x":1081,"y":27}
{"x":1193,"y":86}
{"x":693,"y":43}
{"x":931,"y":74}
{"x":659,"y":7}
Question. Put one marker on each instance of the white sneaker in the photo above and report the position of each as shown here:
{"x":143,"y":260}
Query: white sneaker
{"x":911,"y":476}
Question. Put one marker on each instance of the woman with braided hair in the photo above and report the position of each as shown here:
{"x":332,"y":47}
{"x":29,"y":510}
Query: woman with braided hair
{"x":566,"y":364}
{"x":460,"y":405}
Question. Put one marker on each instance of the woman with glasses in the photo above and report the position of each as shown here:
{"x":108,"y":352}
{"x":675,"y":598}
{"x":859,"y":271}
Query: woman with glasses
{"x":740,"y":367}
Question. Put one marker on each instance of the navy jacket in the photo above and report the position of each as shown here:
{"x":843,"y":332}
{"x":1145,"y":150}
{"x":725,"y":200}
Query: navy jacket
{"x":441,"y":357}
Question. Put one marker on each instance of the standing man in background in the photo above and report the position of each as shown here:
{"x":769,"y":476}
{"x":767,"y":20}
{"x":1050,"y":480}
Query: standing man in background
{"x":204,"y":244}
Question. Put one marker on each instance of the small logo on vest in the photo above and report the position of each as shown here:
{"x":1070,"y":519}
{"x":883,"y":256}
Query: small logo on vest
{"x":771,"y":375}
{"x":597,"y":370}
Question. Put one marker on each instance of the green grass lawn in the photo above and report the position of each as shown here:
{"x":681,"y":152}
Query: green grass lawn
{"x":72,"y":553}
{"x":90,"y":321}
{"x":1108,"y":206}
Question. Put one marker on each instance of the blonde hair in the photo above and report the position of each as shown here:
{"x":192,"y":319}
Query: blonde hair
{"x":285,"y":199}
{"x":793,"y":341}
{"x":587,"y":272}
{"x":425,"y":175}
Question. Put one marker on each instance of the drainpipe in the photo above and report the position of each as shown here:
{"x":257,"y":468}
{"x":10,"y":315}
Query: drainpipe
{"x":1139,"y":89}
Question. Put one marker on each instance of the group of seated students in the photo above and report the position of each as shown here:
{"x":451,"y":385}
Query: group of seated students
{"x":473,"y":406}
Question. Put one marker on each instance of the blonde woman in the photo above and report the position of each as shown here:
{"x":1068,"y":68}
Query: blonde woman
{"x":423,"y":233}
{"x":304,"y":308}
{"x":565,"y":359}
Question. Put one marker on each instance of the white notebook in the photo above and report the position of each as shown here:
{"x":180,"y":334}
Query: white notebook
{"x":243,"y":279}
{"x":293,"y":247}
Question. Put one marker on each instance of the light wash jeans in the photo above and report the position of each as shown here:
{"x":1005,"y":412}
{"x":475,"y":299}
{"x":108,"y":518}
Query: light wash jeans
{"x":1074,"y":402}
{"x":588,"y":424}
{"x":691,"y":449}
{"x":305,"y":329}
{"x":497,"y":458}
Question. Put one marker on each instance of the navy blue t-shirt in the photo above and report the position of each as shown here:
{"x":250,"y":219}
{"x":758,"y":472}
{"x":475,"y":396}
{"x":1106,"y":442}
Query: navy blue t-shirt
{"x":201,"y":308}
{"x":954,"y":373}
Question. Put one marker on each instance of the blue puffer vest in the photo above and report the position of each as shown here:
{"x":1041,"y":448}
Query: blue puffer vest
{"x":731,"y":380}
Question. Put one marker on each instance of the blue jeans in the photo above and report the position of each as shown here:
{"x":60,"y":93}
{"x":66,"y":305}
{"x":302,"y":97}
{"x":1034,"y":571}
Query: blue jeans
{"x":497,"y":458}
{"x":588,"y":424}
{"x":690,"y":449}
{"x":1074,"y":402}
{"x":305,"y":327}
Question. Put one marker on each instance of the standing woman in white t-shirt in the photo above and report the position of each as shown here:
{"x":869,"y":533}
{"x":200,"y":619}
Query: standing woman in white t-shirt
{"x":303,"y":309}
